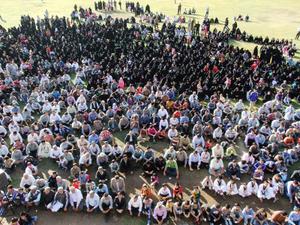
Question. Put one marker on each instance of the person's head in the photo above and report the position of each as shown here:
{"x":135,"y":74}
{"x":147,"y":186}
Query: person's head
{"x":60,"y":190}
{"x":14,"y":221}
{"x":47,"y":190}
{"x":72,"y":189}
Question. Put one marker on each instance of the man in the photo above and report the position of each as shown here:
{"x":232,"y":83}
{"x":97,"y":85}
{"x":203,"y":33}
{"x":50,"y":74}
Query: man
{"x":298,"y":34}
{"x":135,"y":205}
{"x":194,"y":160}
{"x":294,"y":217}
{"x":171,"y":168}
{"x":117,"y":184}
{"x":92,"y":201}
{"x":179,"y":9}
{"x":76,"y":199}
{"x":233,"y":170}
{"x":216,"y":166}
{"x":106,"y":203}
{"x":33,"y":198}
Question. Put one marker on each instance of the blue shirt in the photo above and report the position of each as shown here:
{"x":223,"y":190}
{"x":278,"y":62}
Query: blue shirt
{"x":93,"y":138}
{"x":294,"y":216}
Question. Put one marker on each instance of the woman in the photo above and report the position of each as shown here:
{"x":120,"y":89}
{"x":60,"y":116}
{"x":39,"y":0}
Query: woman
{"x":196,"y":213}
{"x":232,"y":188}
{"x":106,"y":203}
{"x":152,"y":133}
{"x":85,"y":161}
{"x":101,"y":174}
{"x":164,"y":192}
{"x":196,"y":194}
{"x":178,"y":192}
{"x":186,"y":208}
{"x":120,"y":202}
{"x":177,"y":210}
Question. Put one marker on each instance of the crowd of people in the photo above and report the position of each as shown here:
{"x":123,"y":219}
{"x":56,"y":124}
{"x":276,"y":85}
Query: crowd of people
{"x":67,"y":87}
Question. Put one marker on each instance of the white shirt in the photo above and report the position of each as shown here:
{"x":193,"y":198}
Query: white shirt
{"x":135,"y":204}
{"x":198,"y":141}
{"x":163,"y":112}
{"x":174,"y":121}
{"x":163,"y":123}
{"x":194,"y":158}
{"x":14,"y":137}
{"x":219,"y":186}
{"x":29,"y":181}
{"x":172,"y":133}
{"x":94,"y":202}
{"x":164,"y":192}
{"x":3,"y":150}
{"x":33,"y":137}
{"x":75,"y":197}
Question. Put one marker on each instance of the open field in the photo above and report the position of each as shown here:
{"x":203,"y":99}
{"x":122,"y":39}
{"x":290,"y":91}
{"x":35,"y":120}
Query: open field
{"x":279,"y":19}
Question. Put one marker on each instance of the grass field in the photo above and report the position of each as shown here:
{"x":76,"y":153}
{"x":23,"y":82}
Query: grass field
{"x":279,"y":19}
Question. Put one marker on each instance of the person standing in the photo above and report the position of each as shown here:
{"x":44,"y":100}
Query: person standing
{"x":179,"y":9}
{"x":297,"y":35}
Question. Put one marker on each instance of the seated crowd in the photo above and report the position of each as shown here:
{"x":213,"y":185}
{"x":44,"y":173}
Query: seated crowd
{"x":67,"y":87}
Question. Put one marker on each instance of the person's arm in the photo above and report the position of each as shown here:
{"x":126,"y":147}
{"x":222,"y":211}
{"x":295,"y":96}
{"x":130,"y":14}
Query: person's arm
{"x":38,"y":199}
{"x":100,"y":205}
{"x":177,"y":170}
{"x":140,"y":205}
{"x":199,"y":161}
{"x":67,"y":201}
{"x":155,"y":214}
{"x":129,"y":206}
{"x":110,"y":202}
{"x":185,"y":159}
{"x":97,"y":203}
{"x":165,"y":214}
{"x":87,"y":202}
{"x":190,"y":161}
{"x":71,"y":201}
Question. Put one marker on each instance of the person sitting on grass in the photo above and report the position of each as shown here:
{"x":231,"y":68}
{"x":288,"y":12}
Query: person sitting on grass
{"x":120,"y":202}
{"x":135,"y":205}
{"x":106,"y":204}
{"x":233,"y":170}
{"x":76,"y":199}
{"x":164,"y":192}
{"x":171,"y":168}
{"x":160,"y":213}
{"x":92,"y":201}
{"x":216,"y":166}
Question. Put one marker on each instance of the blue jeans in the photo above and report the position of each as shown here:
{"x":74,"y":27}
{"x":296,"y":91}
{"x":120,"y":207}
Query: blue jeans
{"x":34,"y":219}
{"x":294,"y":223}
{"x":248,"y":221}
